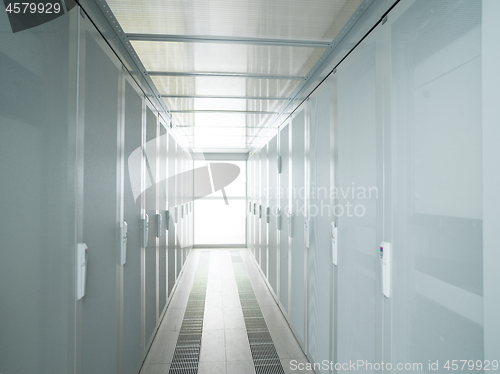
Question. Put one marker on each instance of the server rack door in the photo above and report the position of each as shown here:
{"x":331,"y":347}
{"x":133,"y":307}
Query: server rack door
{"x":99,"y":342}
{"x":437,"y":182}
{"x":38,"y":200}
{"x":162,"y":205}
{"x":178,"y":191}
{"x":254,"y":199}
{"x":264,"y":204}
{"x":180,"y":219}
{"x":151,"y":251}
{"x":250,"y":203}
{"x":297,"y":155}
{"x":172,"y":253}
{"x":184,"y":213}
{"x":319,"y":257}
{"x":284,"y":270}
{"x":257,"y":207}
{"x":251,"y":182}
{"x":132,"y":214}
{"x":273,"y":204}
{"x":190,"y":202}
{"x":359,"y":166}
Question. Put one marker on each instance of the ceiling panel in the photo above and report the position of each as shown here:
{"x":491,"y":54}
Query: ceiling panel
{"x":279,"y":19}
{"x":219,"y":131}
{"x":226,"y":58}
{"x":219,"y":119}
{"x":225,"y":86}
{"x":225,"y":149}
{"x":223,"y":104}
{"x":190,"y":49}
{"x":250,"y":133}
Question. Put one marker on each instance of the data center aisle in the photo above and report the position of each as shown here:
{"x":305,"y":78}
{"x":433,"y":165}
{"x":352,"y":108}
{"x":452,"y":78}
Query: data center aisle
{"x":225,"y":346}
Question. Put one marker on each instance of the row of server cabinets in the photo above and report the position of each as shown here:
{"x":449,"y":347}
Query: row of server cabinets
{"x":154,"y":199}
{"x":106,"y":192}
{"x":371,"y":164}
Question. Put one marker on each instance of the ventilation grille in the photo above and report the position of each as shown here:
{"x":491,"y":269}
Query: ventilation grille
{"x":264,"y":355}
{"x":187,"y":351}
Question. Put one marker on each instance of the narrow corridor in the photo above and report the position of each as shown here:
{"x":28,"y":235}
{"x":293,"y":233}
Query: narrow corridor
{"x":264,"y":186}
{"x":225,"y":346}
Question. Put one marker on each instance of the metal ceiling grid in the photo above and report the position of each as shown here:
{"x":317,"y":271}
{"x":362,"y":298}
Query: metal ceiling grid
{"x":257,"y":51}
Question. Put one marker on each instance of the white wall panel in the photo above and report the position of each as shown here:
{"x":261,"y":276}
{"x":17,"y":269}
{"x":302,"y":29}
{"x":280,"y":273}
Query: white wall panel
{"x":100,"y":208}
{"x":257,"y":201}
{"x":38,"y":200}
{"x":264,"y":203}
{"x":298,"y":190}
{"x":132,"y":354}
{"x":437,"y":183}
{"x":319,"y":258}
{"x":162,"y":208}
{"x":172,"y":235}
{"x":284,"y":270}
{"x":249,"y":207}
{"x":490,"y":59}
{"x":150,"y":252}
{"x":358,"y":214}
{"x":273,"y":205}
{"x":177,"y":209}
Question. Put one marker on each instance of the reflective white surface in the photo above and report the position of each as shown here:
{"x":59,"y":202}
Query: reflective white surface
{"x":218,"y":223}
{"x":283,"y":19}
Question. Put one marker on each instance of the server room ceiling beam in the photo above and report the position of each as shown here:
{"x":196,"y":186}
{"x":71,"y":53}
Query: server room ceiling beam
{"x":242,"y":137}
{"x":225,"y":97}
{"x":221,"y":127}
{"x":228,"y":40}
{"x":223,"y":111}
{"x":225,"y":75}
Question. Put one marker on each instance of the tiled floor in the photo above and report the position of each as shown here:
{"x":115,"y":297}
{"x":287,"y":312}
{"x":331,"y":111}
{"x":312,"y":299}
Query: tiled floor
{"x":225,"y":347}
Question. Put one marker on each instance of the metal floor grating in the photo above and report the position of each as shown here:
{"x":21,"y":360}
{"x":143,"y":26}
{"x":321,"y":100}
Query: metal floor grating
{"x":187,"y":350}
{"x":264,"y":355}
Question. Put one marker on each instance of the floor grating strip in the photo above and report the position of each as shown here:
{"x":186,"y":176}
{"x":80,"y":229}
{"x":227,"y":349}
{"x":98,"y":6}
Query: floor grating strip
{"x":264,"y":355}
{"x":187,"y":350}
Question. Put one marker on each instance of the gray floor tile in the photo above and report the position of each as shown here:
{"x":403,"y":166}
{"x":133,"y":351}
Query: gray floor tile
{"x":231,"y":301}
{"x":285,"y":343}
{"x":214,"y":286}
{"x":274,"y":318}
{"x":214,"y":300}
{"x":179,"y":300}
{"x":162,"y":349}
{"x":172,"y":319}
{"x":237,"y":347}
{"x":213,"y":320}
{"x":212,"y":346}
{"x":233,"y":318}
{"x":215,"y":367}
{"x":240,"y":367}
{"x":265,"y":299}
{"x":155,"y":369}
